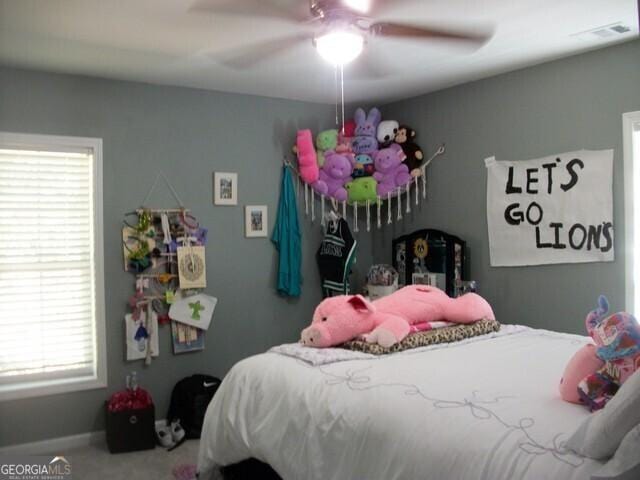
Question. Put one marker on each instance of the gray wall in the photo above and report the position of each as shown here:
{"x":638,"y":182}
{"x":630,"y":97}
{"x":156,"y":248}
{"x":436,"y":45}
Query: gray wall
{"x":188,"y":134}
{"x":556,"y":107}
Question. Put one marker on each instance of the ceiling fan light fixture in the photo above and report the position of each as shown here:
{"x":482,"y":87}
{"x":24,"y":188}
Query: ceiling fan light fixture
{"x":339,"y":47}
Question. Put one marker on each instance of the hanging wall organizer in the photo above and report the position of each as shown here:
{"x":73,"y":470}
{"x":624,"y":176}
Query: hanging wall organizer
{"x":165,"y":249}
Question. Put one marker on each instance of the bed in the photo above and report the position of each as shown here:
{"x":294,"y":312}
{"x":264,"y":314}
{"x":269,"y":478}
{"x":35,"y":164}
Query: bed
{"x":482,"y":408}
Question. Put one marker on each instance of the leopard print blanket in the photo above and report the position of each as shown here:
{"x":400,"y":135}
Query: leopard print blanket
{"x":429,"y":337}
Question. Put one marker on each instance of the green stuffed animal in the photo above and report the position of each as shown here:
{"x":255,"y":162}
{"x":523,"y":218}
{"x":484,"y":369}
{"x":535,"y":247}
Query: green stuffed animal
{"x":361,"y":190}
{"x":326,"y":140}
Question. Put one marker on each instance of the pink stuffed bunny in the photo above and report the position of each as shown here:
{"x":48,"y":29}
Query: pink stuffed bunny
{"x":307,"y":158}
{"x":388,"y":320}
{"x":390,"y":172}
{"x":334,"y":174}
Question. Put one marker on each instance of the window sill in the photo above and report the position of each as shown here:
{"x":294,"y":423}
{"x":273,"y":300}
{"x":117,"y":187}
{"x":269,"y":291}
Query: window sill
{"x":50,"y":387}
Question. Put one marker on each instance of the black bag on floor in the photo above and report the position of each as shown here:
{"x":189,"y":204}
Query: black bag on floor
{"x":189,"y":401}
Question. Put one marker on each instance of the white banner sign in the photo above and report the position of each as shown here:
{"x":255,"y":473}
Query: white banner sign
{"x":557,"y":209}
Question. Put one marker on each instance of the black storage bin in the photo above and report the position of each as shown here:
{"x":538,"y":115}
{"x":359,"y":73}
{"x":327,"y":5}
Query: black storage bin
{"x":131,"y":430}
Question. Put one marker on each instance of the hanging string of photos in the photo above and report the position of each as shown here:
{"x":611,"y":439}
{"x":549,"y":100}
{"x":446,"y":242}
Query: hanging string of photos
{"x":367,"y":162}
{"x":165,"y":250}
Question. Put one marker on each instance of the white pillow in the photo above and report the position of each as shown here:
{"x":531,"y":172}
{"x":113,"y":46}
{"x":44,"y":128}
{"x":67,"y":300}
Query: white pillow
{"x":625,"y":464}
{"x":600,"y":434}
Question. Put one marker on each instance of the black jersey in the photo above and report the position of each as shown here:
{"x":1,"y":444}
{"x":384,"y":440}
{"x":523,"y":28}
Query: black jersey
{"x":335,"y":257}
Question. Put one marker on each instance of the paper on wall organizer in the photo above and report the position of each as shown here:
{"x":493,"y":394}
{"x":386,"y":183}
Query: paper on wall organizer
{"x":192,"y":268}
{"x":557,"y":209}
{"x":195,"y":311}
{"x":141,"y":335}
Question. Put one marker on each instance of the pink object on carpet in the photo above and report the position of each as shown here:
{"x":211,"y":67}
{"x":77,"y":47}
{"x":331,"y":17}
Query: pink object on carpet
{"x":185,"y":472}
{"x":388,"y":320}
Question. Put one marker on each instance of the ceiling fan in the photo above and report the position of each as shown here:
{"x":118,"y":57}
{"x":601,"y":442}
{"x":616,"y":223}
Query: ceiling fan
{"x":339,"y":29}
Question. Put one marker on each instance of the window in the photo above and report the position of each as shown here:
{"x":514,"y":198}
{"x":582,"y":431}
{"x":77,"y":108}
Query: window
{"x":52,"y":331}
{"x":631,"y":134}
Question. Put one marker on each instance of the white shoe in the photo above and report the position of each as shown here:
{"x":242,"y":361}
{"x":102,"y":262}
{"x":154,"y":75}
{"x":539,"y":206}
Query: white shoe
{"x":177,"y":432}
{"x":165,"y":438}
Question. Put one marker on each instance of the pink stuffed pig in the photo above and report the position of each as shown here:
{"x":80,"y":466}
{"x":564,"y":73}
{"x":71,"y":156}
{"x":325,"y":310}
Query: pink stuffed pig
{"x":388,"y":320}
{"x":307,"y":158}
{"x":334,"y":174}
{"x":390,"y":172}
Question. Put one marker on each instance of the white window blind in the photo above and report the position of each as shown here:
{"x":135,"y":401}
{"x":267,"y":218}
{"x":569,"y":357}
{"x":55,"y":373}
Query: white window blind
{"x":48,"y":301}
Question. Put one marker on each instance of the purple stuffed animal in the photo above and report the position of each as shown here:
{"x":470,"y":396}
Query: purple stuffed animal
{"x":334,"y":174}
{"x":390,"y":172}
{"x":365,"y":140}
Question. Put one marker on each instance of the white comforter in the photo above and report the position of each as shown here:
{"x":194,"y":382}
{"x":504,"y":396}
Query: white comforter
{"x":487,"y":408}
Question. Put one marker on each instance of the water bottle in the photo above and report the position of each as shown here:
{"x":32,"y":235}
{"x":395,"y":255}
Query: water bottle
{"x":133,"y":382}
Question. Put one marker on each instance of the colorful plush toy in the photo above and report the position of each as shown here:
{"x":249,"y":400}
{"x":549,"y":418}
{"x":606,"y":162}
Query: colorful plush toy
{"x":617,"y":339}
{"x":361,"y":190}
{"x":363,"y":166}
{"x":405,"y":138}
{"x":307,"y":159}
{"x":388,"y":320}
{"x":387,"y":130}
{"x":349,"y":128}
{"x":582,"y":364}
{"x":365,"y":133}
{"x":334,"y":174}
{"x":390,"y":172}
{"x":344,"y":144}
{"x":326,"y":140}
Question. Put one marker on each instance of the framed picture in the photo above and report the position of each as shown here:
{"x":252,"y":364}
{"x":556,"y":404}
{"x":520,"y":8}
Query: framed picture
{"x":225,"y":188}
{"x":255,"y":221}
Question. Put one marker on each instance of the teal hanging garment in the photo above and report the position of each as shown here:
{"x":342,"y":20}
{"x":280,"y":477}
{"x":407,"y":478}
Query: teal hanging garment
{"x":286,"y":238}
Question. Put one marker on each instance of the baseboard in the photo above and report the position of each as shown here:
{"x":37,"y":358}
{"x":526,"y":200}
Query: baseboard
{"x":60,"y":445}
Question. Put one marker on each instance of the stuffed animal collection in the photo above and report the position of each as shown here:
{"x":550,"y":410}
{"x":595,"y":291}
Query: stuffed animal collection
{"x":388,"y":320}
{"x":596,"y":371}
{"x":383,"y":151}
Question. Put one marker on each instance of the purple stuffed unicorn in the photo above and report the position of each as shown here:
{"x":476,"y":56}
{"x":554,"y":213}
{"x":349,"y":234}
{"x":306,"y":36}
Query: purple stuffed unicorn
{"x":334,"y":174}
{"x":365,"y":140}
{"x":390,"y":172}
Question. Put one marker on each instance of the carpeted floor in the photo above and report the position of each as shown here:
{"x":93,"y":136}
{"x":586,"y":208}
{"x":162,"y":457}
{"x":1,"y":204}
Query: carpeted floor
{"x":95,"y":462}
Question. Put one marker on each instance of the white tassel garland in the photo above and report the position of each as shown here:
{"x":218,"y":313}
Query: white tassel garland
{"x":424,"y":183}
{"x":408,"y":210}
{"x":313,"y":205}
{"x":355,"y":217}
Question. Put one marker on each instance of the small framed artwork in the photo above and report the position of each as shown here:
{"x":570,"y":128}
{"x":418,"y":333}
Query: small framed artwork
{"x":225,"y":188}
{"x":255,"y":221}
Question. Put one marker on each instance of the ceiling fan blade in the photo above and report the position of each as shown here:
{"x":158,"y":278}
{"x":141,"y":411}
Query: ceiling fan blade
{"x":249,"y":55}
{"x":401,"y":30}
{"x":261,"y":8}
{"x":378,"y":8}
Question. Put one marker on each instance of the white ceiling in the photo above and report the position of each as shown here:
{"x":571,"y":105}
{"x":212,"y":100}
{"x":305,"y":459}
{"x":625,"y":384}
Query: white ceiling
{"x":172,"y":42}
